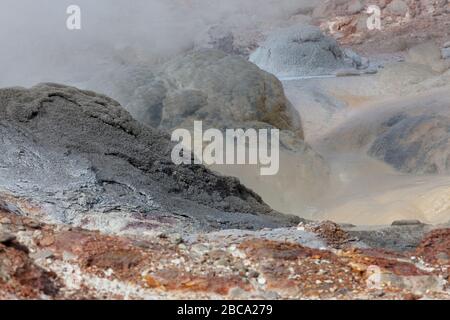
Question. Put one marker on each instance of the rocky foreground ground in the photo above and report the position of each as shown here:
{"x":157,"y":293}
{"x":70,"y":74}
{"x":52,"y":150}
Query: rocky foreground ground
{"x":310,"y":261}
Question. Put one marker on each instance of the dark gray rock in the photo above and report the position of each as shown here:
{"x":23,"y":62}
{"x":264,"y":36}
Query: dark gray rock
{"x":84,"y":160}
{"x":406,"y":223}
{"x":396,"y":238}
{"x":415,"y":143}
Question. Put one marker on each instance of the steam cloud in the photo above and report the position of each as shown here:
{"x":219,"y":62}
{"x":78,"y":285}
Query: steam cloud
{"x":36,"y":45}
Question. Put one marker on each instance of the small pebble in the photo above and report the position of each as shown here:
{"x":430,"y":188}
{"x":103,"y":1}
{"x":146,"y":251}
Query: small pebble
{"x":42,"y":254}
{"x":5,"y":220}
{"x":262,"y":281}
{"x":6,"y":237}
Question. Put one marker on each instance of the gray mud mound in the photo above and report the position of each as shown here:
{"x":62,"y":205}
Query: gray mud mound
{"x":300,"y":51}
{"x":81,"y":158}
{"x":221,"y":90}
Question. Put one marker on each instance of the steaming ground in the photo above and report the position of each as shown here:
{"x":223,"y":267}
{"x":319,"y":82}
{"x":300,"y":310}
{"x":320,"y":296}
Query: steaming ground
{"x":363,"y":189}
{"x":387,"y":153}
{"x":37,"y":47}
{"x":337,"y":113}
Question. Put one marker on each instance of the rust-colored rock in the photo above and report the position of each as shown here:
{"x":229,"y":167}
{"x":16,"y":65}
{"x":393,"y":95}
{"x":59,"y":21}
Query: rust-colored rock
{"x":107,"y":266}
{"x":435,"y":247}
{"x":117,"y":259}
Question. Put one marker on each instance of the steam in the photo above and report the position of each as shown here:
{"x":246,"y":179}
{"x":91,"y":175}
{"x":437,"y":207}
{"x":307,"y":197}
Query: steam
{"x":36,"y":46}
